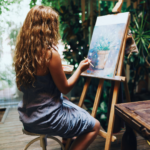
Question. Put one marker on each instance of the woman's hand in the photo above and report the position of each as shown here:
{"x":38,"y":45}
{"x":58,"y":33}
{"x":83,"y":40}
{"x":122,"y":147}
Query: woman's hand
{"x":84,"y":64}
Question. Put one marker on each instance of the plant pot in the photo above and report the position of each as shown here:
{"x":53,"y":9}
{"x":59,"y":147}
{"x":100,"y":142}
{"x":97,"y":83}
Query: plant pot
{"x":102,"y":58}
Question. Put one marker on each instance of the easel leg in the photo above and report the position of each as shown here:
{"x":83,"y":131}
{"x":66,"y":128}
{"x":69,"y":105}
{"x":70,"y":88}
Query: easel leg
{"x":126,"y":87}
{"x":97,"y":97}
{"x":112,"y":116}
{"x":86,"y":85}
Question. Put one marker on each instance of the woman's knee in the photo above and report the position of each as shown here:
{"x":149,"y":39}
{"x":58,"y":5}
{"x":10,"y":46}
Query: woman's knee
{"x":97,"y":126}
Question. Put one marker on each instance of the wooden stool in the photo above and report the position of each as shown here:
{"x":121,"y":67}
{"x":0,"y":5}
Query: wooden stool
{"x":42,"y":138}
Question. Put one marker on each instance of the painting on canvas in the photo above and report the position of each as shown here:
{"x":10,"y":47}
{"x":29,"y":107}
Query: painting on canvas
{"x":105,"y":44}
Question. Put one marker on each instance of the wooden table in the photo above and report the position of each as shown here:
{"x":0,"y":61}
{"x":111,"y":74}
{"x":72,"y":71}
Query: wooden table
{"x":136,"y":116}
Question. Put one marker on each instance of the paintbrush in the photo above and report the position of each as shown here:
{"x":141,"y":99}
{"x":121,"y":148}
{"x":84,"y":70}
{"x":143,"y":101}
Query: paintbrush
{"x":90,"y":63}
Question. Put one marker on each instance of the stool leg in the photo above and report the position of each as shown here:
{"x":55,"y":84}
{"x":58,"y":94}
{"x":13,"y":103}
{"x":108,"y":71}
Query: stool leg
{"x":43,"y":142}
{"x":31,"y":142}
{"x":57,"y":140}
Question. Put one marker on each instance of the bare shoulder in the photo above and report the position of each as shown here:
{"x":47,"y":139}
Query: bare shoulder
{"x":53,"y":56}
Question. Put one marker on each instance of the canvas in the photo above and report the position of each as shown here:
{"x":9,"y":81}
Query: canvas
{"x":106,"y":43}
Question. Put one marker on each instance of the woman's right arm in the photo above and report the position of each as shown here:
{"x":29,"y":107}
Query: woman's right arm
{"x":58,"y":75}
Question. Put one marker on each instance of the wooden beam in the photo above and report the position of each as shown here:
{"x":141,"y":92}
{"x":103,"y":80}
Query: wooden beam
{"x":128,"y":3}
{"x":126,"y":87}
{"x":135,"y":5}
{"x":86,"y":85}
{"x":104,"y":135}
{"x":95,"y":106}
{"x":83,"y":10}
{"x":99,"y":8}
{"x":113,"y":3}
{"x":118,"y":6}
{"x":97,"y":97}
{"x":91,"y":18}
{"x":83,"y":13}
{"x":120,"y":65}
{"x":128,"y":72}
{"x":112,"y":116}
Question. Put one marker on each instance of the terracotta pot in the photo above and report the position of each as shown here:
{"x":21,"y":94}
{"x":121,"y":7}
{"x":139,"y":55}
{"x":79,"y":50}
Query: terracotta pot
{"x":102,"y":58}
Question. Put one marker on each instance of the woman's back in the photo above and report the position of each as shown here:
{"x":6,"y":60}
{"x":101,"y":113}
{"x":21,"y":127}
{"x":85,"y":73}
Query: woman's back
{"x":47,"y":112}
{"x":43,"y":98}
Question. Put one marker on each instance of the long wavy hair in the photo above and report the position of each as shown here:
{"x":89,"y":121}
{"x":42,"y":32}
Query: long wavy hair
{"x":38,"y":34}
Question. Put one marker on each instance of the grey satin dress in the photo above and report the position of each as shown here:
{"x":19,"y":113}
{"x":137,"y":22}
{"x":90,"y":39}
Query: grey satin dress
{"x":49,"y":113}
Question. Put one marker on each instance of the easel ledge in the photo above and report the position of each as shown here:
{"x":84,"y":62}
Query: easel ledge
{"x":116,"y":78}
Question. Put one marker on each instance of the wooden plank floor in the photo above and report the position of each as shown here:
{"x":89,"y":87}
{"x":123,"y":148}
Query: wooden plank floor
{"x":2,"y":111}
{"x":12,"y":138}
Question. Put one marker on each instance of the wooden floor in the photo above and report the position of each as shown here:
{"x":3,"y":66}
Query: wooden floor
{"x":2,"y":111}
{"x":12,"y":138}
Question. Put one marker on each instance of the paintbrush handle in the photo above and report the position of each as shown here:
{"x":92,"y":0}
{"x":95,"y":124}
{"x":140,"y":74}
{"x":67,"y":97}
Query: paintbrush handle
{"x":90,"y":63}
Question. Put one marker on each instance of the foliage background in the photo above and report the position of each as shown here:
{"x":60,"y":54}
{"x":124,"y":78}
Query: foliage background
{"x":75,"y":35}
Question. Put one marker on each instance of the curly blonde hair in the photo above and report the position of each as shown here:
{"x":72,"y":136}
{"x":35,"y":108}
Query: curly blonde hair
{"x":38,"y":34}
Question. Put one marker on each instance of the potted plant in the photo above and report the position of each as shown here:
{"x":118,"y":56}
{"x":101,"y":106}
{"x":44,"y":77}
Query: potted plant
{"x":103,"y":51}
{"x":99,"y":52}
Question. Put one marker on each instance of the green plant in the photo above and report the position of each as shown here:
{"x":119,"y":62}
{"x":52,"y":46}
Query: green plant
{"x":6,"y":76}
{"x":73,"y":34}
{"x":140,"y":28}
{"x":13,"y":32}
{"x":4,"y":4}
{"x":32,"y":3}
{"x":1,"y":40}
{"x":103,"y":44}
{"x":141,"y":33}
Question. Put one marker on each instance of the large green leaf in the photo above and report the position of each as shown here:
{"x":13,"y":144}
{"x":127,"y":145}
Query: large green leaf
{"x":144,"y":44}
{"x":147,"y":32}
{"x":132,"y":59}
{"x":137,"y":25}
{"x":88,"y":101}
{"x":142,"y":61}
{"x":103,"y":107}
{"x":133,"y":30}
{"x":143,"y":2}
{"x":145,"y":21}
{"x":146,"y":36}
{"x":103,"y":117}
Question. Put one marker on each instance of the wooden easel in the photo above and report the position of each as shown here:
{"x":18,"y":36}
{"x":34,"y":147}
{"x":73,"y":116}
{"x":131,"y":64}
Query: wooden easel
{"x":120,"y":77}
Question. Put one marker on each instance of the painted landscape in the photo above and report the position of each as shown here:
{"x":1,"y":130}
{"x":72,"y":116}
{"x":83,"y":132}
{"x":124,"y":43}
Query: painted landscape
{"x":104,"y":49}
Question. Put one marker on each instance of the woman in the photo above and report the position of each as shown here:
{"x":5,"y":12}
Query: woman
{"x":39,"y":75}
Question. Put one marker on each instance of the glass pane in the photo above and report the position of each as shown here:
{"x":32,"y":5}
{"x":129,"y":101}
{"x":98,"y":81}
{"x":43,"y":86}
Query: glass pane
{"x":11,"y":20}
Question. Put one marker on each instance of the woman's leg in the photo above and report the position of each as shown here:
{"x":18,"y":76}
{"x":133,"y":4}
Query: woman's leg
{"x":64,"y":140}
{"x":83,"y":141}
